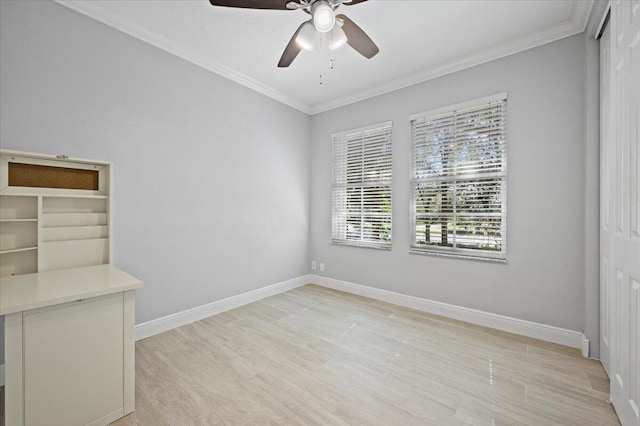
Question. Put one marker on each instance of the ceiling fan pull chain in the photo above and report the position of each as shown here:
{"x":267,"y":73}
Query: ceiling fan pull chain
{"x":331,"y":63}
{"x":321,"y":79}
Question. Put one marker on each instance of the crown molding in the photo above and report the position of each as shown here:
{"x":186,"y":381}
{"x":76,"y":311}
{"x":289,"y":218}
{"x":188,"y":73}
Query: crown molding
{"x":597,"y":19}
{"x":575,"y":25}
{"x":94,"y":11}
{"x":582,"y":11}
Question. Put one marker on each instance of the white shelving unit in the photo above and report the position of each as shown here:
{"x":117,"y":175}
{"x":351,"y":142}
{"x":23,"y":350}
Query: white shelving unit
{"x":69,"y":314}
{"x":43,"y":228}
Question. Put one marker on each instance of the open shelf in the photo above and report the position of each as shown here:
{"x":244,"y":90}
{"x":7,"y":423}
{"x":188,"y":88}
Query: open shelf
{"x":23,"y":261}
{"x":73,"y":205}
{"x":18,"y":220}
{"x":14,"y":207}
{"x":67,"y":233}
{"x":15,"y":236}
{"x":17,"y":250}
{"x":73,"y":219}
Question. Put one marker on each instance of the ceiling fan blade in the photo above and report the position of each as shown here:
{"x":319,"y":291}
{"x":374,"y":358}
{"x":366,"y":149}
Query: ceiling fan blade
{"x":253,"y":4}
{"x":352,"y":2}
{"x":291,"y":51}
{"x":358,"y":39}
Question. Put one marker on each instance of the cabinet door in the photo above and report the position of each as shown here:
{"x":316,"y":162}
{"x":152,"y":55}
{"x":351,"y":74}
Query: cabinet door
{"x":73,"y":363}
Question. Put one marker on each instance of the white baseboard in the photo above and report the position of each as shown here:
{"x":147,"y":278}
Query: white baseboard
{"x":549,"y":333}
{"x":585,"y":346}
{"x":562,"y":336}
{"x":160,"y":325}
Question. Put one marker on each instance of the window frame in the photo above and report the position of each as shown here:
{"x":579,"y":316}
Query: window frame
{"x":385,"y":127}
{"x":466,"y":253}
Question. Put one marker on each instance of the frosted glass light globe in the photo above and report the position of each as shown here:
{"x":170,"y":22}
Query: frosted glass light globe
{"x":323,"y":17}
{"x":338,"y":37}
{"x":306,"y":36}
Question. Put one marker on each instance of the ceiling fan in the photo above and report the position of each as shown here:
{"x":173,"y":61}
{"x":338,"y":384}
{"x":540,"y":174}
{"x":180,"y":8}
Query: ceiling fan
{"x":323,"y":19}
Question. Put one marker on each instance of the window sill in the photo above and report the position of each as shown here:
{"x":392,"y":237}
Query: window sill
{"x":361,"y":245}
{"x":458,"y":256}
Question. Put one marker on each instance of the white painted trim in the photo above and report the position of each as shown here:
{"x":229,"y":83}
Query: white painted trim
{"x":364,"y":129}
{"x":535,"y":330}
{"x":575,"y":25}
{"x":585,"y":346}
{"x":169,"y":322}
{"x":548,"y":333}
{"x":460,"y":107}
{"x":93,"y":10}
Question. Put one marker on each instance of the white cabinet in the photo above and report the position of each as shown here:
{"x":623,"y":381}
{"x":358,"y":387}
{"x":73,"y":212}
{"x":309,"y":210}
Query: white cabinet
{"x":62,"y":385}
{"x":69,"y":346}
{"x":69,"y":314}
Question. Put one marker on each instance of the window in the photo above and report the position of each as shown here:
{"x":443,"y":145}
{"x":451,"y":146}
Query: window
{"x":458,"y":185}
{"x":362,"y":187}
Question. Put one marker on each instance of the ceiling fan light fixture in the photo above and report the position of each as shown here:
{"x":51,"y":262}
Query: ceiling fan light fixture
{"x":306,"y":36}
{"x":324,"y":18}
{"x":338,"y":37}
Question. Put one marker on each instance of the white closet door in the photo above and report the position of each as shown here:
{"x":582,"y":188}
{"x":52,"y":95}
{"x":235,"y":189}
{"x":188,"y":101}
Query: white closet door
{"x":622,"y":238}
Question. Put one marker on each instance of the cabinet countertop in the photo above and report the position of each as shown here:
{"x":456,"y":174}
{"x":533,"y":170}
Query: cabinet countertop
{"x":31,"y":291}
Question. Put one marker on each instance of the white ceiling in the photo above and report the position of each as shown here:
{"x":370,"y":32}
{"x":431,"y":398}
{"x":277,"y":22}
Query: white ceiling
{"x":418,"y":40}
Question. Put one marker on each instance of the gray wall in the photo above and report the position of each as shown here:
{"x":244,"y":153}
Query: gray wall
{"x":188,"y":145}
{"x":544,"y":280}
{"x":211,"y":178}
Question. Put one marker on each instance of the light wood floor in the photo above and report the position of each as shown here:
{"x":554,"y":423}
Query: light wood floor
{"x":318,"y":356}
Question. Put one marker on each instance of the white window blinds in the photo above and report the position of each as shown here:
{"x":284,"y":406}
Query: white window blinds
{"x":362,"y":187}
{"x":459,"y":179}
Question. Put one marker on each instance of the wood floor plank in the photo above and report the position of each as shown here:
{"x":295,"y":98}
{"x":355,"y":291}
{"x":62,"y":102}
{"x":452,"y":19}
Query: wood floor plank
{"x":316,"y":356}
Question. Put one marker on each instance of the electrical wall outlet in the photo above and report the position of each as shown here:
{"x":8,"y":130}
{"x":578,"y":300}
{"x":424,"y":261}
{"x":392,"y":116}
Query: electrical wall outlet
{"x":321,"y":267}
{"x":313,"y":265}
